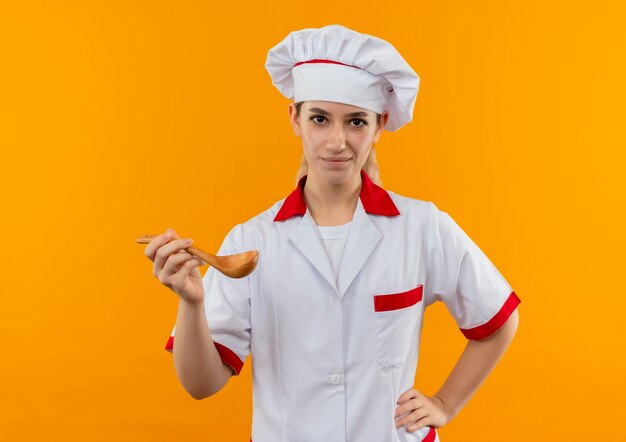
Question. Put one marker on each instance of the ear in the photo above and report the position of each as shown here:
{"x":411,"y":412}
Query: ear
{"x":383,"y":122}
{"x":294,"y":120}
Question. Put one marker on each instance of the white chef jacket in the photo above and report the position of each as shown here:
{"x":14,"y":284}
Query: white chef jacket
{"x":331,"y":355}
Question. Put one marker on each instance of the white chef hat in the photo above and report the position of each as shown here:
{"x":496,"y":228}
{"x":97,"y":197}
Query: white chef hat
{"x":334,"y":63}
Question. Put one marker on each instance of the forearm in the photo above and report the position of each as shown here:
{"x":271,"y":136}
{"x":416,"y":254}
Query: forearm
{"x":197,"y":362}
{"x":476,"y":362}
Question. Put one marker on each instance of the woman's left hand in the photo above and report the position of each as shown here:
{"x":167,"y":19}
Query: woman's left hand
{"x":416,"y":410}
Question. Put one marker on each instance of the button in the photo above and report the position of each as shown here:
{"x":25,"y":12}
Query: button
{"x":336,"y":379}
{"x":336,"y":302}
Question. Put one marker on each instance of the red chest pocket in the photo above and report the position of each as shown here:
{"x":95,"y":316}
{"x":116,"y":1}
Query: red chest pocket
{"x":395,"y":301}
{"x":398,"y":317}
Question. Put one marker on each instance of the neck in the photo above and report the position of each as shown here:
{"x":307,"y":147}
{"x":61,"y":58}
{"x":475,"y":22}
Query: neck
{"x":331,"y":204}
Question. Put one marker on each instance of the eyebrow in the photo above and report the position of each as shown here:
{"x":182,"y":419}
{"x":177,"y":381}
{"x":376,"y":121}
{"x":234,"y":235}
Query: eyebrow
{"x":353,"y":114}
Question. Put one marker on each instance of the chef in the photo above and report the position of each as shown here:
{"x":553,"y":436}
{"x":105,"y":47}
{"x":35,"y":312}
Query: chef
{"x":333,"y":313}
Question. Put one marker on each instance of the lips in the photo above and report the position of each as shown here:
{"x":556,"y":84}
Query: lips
{"x":337,"y":163}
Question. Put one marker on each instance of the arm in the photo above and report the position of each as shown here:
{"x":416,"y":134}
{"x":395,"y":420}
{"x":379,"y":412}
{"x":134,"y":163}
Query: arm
{"x":198,"y":364}
{"x":197,"y":361}
{"x":476,"y":362}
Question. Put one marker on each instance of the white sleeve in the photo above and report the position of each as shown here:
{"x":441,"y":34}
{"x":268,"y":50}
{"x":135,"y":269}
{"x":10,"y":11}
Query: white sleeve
{"x":227,"y":307}
{"x":458,"y":273}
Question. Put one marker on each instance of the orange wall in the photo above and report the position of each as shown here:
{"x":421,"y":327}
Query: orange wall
{"x":121,"y":118}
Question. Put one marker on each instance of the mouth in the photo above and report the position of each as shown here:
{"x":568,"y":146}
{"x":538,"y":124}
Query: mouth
{"x":336,"y":160}
{"x":337,"y":163}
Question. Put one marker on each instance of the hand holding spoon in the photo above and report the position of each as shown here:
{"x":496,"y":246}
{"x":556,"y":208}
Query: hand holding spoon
{"x":233,"y":266}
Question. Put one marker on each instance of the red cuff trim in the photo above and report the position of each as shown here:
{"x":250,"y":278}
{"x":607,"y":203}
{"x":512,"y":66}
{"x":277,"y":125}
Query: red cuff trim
{"x":228,"y":356}
{"x":395,"y":301}
{"x":498,"y":320}
{"x":430,"y":437}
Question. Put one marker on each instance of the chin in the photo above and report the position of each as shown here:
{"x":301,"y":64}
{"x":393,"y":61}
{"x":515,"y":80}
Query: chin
{"x":338,"y":176}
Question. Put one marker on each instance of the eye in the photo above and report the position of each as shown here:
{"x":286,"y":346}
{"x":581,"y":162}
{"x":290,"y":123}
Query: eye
{"x":314,"y":118}
{"x":364,"y":123}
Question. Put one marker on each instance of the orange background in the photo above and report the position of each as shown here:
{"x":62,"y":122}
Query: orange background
{"x":121,"y":118}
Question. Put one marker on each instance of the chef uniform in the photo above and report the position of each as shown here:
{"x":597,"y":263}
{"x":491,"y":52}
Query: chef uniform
{"x":332,"y":316}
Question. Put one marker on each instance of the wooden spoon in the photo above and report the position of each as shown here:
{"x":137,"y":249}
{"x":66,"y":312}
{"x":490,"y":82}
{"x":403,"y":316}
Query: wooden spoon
{"x":233,"y":266}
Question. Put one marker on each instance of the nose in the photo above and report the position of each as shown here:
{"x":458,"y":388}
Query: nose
{"x":336,"y":138}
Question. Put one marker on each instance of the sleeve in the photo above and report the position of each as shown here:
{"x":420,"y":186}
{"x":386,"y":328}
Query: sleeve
{"x":227,"y":307}
{"x":458,"y":273}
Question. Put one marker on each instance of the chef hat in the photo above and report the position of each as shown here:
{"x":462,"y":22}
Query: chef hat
{"x":334,"y":63}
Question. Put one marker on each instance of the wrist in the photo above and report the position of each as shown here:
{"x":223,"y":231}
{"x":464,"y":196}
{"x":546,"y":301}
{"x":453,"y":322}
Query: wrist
{"x":191,"y":305}
{"x":447,"y":408}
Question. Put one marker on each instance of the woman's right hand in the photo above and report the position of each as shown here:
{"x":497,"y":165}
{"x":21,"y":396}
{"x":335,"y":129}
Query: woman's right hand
{"x":176,"y":268}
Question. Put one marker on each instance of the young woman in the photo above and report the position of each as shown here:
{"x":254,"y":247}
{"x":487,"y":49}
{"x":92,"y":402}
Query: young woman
{"x":333,"y":313}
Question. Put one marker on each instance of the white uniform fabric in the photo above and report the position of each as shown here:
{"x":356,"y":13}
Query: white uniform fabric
{"x":332,"y":356}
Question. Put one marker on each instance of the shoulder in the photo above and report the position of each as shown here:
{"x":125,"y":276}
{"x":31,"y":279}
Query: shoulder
{"x":250,"y":230}
{"x":265,"y":218}
{"x":413,"y":208}
{"x":420,"y":208}
{"x":424,"y":215}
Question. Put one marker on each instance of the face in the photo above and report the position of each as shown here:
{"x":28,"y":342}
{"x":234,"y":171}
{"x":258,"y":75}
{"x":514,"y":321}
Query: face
{"x":336,"y":138}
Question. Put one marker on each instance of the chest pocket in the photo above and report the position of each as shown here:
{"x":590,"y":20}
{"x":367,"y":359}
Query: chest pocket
{"x":397,"y":315}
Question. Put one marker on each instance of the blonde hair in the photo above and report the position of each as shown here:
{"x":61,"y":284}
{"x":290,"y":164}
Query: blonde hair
{"x":370,"y":167}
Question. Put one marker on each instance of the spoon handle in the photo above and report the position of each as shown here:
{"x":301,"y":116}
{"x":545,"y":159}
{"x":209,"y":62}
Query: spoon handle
{"x":199,"y":253}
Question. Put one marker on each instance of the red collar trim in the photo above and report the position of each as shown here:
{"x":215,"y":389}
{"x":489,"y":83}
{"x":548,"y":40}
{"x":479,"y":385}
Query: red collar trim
{"x":375,"y":199}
